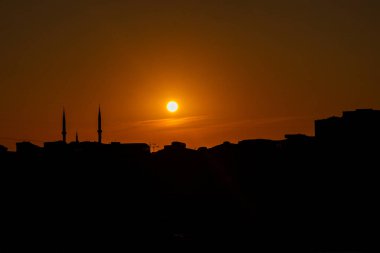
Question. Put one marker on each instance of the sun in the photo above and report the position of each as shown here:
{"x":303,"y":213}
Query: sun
{"x":172,"y":106}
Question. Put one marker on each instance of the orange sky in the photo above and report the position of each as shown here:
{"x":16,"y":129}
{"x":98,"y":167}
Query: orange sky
{"x":238,"y":69}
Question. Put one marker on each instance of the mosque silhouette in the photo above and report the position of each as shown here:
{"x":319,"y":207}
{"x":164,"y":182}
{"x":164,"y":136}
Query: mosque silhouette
{"x":63,"y":147}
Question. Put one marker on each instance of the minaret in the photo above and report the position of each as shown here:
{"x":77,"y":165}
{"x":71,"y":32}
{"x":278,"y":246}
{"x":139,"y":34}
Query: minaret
{"x":76,"y":137}
{"x":64,"y":126}
{"x":99,"y":127}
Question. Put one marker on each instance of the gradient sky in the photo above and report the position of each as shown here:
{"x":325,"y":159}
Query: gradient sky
{"x":238,"y":69}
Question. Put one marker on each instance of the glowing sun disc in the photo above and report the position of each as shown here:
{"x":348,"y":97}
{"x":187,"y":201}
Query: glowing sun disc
{"x":172,"y":106}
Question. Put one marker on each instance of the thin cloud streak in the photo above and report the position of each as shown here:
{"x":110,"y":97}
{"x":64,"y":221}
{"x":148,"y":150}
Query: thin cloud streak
{"x":200,"y":122}
{"x":171,"y":122}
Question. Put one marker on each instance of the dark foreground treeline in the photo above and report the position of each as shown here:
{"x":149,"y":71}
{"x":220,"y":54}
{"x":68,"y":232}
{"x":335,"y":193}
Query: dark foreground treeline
{"x":261,"y":195}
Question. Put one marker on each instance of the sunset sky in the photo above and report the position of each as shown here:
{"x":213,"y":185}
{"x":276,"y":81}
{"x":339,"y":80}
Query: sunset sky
{"x":238,"y":69}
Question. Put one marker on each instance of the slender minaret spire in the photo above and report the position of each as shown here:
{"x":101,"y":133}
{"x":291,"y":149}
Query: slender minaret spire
{"x":64,"y":126}
{"x":99,"y":126}
{"x":76,"y":137}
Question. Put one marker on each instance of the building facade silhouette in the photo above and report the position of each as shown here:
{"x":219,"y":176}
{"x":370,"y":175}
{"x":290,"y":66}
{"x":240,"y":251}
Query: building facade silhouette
{"x":361,"y":125}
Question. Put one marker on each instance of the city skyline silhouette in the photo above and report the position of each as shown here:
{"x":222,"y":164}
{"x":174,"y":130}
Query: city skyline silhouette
{"x":307,"y":193}
{"x":319,"y":124}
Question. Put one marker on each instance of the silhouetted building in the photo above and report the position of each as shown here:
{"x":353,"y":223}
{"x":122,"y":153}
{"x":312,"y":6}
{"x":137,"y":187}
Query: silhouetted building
{"x":176,"y":145}
{"x":361,"y":125}
{"x":3,"y":149}
{"x":252,"y":151}
{"x":225,"y":146}
{"x":202,"y":149}
{"x":223,"y":155}
{"x":28,"y":149}
{"x":298,"y":141}
{"x":329,"y":129}
{"x":258,"y":145}
{"x":55,"y":147}
{"x":86,"y":147}
{"x":127,"y":148}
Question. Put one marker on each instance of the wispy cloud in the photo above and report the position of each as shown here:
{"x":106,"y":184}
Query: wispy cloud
{"x":171,"y":122}
{"x":160,"y":124}
{"x":203,"y":122}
